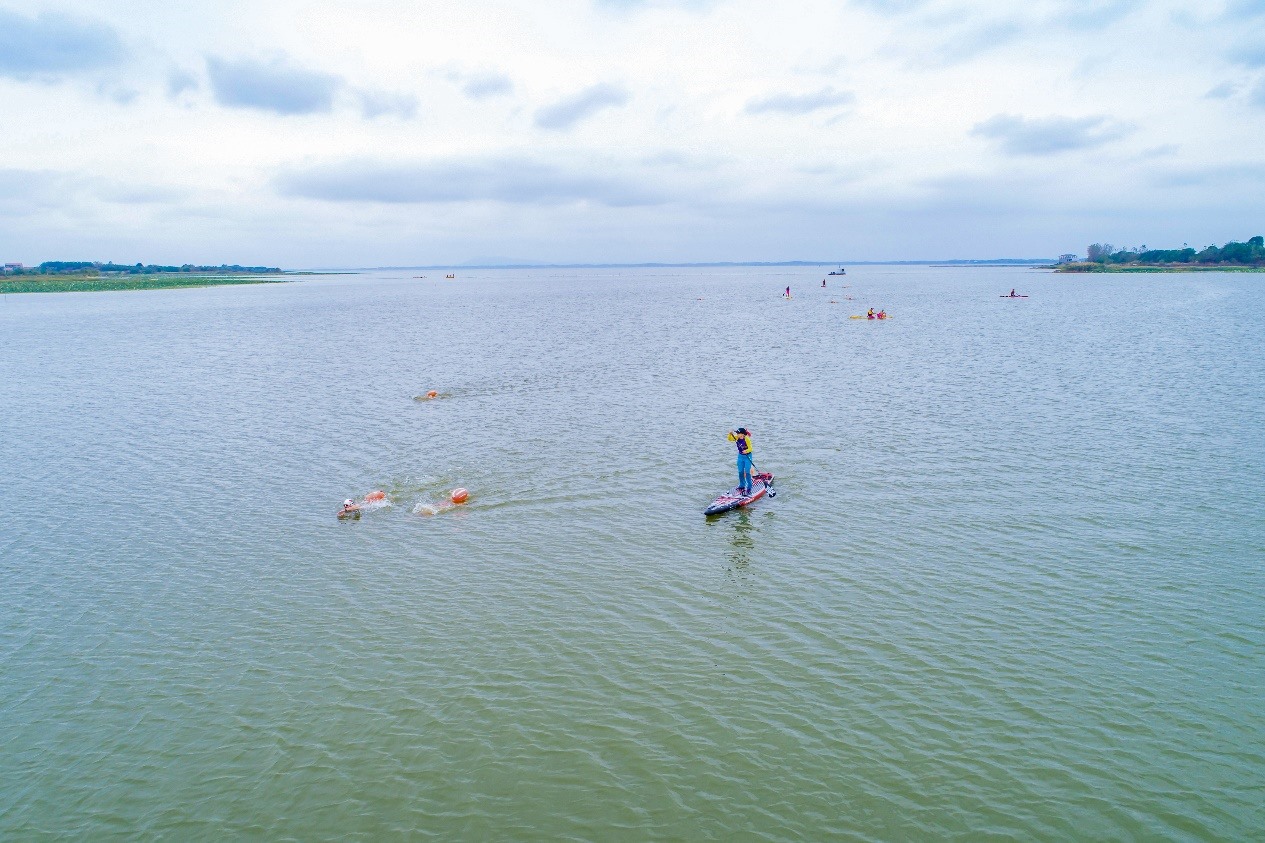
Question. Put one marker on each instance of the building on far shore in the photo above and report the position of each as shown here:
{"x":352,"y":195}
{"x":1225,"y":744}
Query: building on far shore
{"x":1066,"y":258}
{"x":12,"y":267}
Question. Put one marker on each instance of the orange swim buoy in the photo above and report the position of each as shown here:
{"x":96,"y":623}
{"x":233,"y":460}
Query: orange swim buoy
{"x":432,"y":394}
{"x":459,"y":496}
{"x":376,"y":496}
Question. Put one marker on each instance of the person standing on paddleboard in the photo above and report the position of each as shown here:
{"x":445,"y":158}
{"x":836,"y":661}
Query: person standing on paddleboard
{"x":742,"y":438}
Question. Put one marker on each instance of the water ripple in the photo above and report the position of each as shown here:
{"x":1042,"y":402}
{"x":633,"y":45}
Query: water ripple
{"x":1011,"y":586}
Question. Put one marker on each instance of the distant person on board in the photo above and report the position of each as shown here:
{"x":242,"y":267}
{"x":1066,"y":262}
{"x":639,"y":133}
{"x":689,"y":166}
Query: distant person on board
{"x":870,"y":314}
{"x":742,"y":438}
{"x":1012,"y":293}
{"x":787,"y":294}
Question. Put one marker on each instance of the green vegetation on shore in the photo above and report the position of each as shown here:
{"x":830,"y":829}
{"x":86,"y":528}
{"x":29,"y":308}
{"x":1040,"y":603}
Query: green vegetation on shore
{"x":1233,"y":256}
{"x":89,"y":276}
{"x":98,"y":268}
{"x":44,"y":283}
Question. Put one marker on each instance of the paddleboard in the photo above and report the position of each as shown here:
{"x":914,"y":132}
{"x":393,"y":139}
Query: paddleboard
{"x":875,"y":319}
{"x":1012,"y":297}
{"x":761,"y":484}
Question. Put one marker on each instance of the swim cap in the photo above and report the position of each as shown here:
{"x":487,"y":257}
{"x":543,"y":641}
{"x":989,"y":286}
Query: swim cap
{"x":349,"y":502}
{"x":744,"y":430}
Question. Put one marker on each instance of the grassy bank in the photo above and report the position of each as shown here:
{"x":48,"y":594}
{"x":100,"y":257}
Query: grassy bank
{"x":1153,"y":267}
{"x":98,"y":283}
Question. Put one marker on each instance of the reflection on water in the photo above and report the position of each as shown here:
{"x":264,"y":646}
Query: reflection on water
{"x":742,"y":540}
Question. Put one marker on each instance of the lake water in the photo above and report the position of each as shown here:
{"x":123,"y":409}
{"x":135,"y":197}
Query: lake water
{"x":1012,"y":586}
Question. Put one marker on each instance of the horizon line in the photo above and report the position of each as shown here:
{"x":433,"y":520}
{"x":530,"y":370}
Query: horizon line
{"x":671,"y":265}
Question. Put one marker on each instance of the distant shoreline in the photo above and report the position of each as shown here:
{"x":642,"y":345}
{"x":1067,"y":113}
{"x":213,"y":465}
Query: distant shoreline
{"x":111,"y":283}
{"x":712,"y":264}
{"x":1092,"y":268}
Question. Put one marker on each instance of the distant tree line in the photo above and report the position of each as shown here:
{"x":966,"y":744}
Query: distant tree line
{"x":98,"y":268}
{"x":1251,"y":253}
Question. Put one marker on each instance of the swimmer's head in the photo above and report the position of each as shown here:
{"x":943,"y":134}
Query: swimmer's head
{"x":349,"y":502}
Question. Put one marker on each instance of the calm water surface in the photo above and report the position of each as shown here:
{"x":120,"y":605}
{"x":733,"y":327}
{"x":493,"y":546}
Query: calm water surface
{"x":1013,"y":585}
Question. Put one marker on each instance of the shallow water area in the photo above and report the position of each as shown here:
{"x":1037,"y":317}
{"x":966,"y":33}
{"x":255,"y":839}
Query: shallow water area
{"x":1011,"y":585}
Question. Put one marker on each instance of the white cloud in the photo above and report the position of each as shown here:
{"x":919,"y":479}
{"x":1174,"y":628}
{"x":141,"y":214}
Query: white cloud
{"x":1223,"y":91}
{"x":789,"y":103}
{"x":1258,"y":95}
{"x":570,"y":110}
{"x":482,"y":84}
{"x":1245,"y":9}
{"x":379,"y":103}
{"x":1049,"y":135}
{"x":513,"y":180}
{"x":622,"y":129}
{"x":180,"y":81}
{"x":275,"y":85}
{"x":1251,"y":53}
{"x":52,"y":45}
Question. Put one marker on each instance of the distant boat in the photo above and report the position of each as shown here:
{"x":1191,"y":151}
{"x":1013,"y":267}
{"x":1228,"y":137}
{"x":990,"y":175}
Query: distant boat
{"x":450,"y":276}
{"x":841,"y":271}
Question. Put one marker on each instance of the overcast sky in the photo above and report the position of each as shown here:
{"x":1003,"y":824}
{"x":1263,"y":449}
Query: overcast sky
{"x":377,"y":133}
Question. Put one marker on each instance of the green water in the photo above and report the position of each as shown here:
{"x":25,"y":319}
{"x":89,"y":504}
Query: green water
{"x":1011,"y":587}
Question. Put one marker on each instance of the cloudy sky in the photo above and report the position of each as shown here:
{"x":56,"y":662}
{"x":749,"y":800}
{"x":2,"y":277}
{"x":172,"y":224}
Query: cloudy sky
{"x":389,"y":132}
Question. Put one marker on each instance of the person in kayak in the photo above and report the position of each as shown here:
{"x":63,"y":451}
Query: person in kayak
{"x":742,"y":438}
{"x":870,"y":314}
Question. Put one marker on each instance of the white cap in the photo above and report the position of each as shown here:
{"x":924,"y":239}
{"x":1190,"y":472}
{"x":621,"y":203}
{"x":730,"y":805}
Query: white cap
{"x":349,"y":502}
